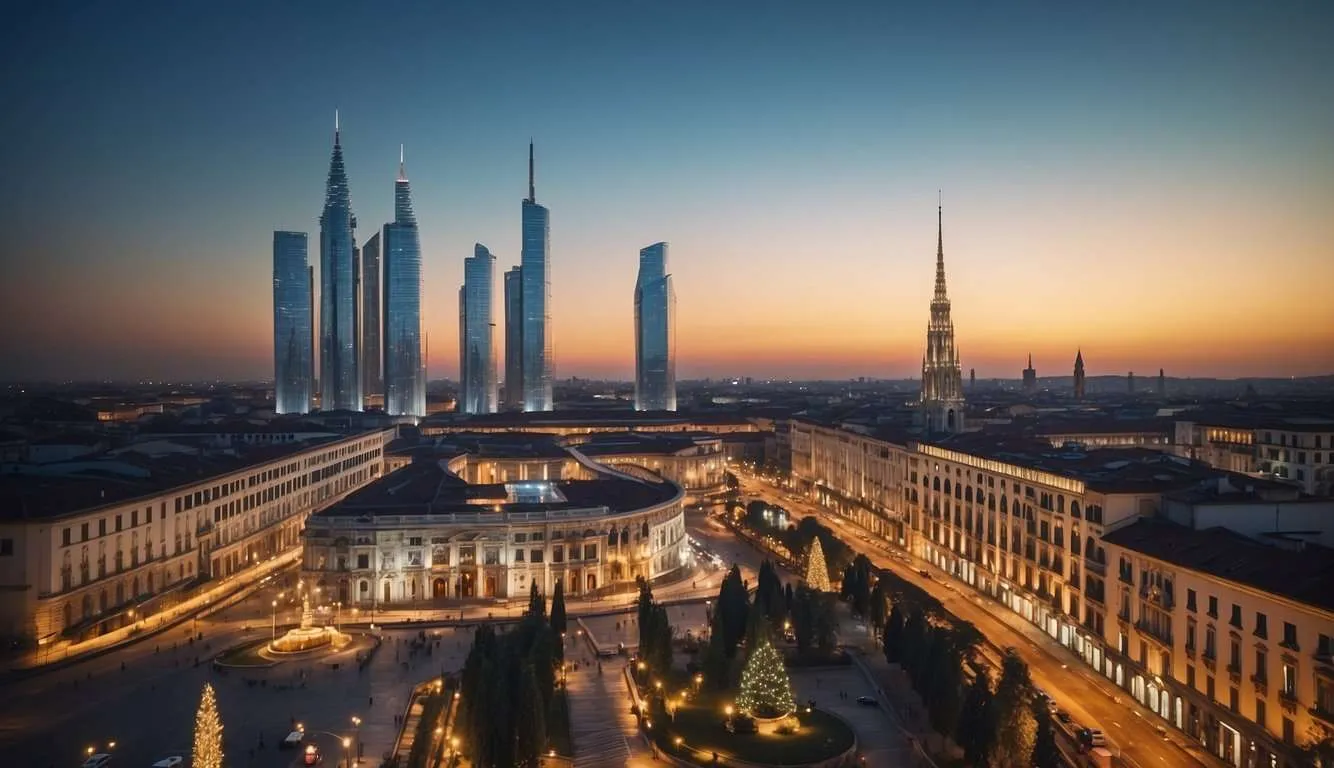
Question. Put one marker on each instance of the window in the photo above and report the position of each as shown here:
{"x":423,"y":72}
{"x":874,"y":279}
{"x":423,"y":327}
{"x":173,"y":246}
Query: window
{"x":102,"y":527}
{"x":518,"y":555}
{"x":1190,"y":600}
{"x":414,"y":541}
{"x":1209,"y":686}
{"x":66,"y":537}
{"x":1190,"y":675}
{"x":84,"y":532}
{"x":519,"y":538}
{"x":363,"y":561}
{"x":6,"y":547}
{"x":558,"y":554}
{"x":1289,"y":680}
{"x":134,"y":517}
{"x":1260,"y":711}
{"x":1209,"y":642}
{"x":535,"y":556}
{"x":1234,"y":656}
{"x":1290,"y":635}
{"x":1190,"y":636}
{"x":1236,"y":616}
{"x":1324,"y":646}
{"x":1213,"y":606}
{"x":1289,"y":732}
{"x":590,"y":551}
{"x":1261,"y":626}
{"x":1233,"y":700}
{"x":1261,"y":664}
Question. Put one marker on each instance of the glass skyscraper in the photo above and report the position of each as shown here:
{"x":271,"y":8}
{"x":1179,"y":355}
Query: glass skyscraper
{"x":404,"y":373}
{"x":293,"y":359}
{"x":535,"y":276}
{"x":514,"y":339}
{"x":477,"y":351}
{"x":372,"y":379}
{"x":340,"y":379}
{"x":655,"y":332}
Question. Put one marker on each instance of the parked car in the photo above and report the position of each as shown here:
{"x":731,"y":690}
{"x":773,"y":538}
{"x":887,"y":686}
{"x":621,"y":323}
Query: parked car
{"x":170,"y":762}
{"x":292,"y":740}
{"x":924,"y":573}
{"x":100,"y":760}
{"x":868,"y":701}
{"x":1063,"y":716}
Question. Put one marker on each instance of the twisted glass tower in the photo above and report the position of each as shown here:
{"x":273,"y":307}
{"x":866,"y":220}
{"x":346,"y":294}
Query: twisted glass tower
{"x":477,"y":355}
{"x":292,"y":353}
{"x":340,"y":379}
{"x":404,"y":370}
{"x":535,"y":277}
{"x":655,"y":332}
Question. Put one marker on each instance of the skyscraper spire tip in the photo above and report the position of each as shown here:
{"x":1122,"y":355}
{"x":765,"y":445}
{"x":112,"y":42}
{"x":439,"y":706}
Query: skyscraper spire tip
{"x":532,"y":194}
{"x":402,"y":172}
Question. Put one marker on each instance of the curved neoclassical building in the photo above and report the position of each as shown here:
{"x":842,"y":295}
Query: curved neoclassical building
{"x":486,"y":518}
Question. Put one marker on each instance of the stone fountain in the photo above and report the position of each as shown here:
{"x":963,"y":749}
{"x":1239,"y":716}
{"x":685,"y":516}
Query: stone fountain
{"x":307,"y":636}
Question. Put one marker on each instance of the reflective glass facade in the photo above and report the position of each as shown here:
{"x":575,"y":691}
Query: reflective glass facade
{"x":477,"y":355}
{"x":655,"y":332}
{"x":372,"y":379}
{"x":340,"y":379}
{"x":293,"y":356}
{"x":404,"y":371}
{"x":535,"y":277}
{"x":514,"y":340}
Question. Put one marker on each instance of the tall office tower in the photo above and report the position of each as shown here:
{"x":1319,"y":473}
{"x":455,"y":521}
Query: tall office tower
{"x":340,"y":380}
{"x":1079,"y":374}
{"x":942,"y":379}
{"x":372,"y":378}
{"x":312,"y":337}
{"x":477,"y":351}
{"x":1162,"y":384}
{"x":514,"y":339}
{"x":655,"y":332}
{"x":404,"y":374}
{"x":972,"y":379}
{"x":292,"y":385}
{"x":534,"y":262}
{"x":1030,"y":377}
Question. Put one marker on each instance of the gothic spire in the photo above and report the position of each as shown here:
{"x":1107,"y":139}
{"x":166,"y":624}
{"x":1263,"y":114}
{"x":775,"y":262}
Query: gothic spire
{"x":940,"y":253}
{"x":532,"y":195}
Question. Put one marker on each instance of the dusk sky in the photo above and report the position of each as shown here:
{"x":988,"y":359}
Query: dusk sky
{"x":1152,"y":182}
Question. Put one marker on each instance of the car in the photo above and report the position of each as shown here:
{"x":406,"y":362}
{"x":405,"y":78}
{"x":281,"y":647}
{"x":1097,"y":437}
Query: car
{"x":312,"y":756}
{"x":1063,"y":716}
{"x":292,"y":740}
{"x":170,"y":762}
{"x":924,"y":573}
{"x":100,"y":760}
{"x":868,"y":701}
{"x":1089,"y":738}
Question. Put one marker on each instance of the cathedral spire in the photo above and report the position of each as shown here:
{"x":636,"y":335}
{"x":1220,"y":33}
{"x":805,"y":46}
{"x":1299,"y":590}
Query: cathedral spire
{"x":532,"y":195}
{"x":940,"y":252}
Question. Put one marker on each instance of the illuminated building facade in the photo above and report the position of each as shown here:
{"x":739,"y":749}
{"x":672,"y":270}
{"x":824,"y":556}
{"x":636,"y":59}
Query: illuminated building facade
{"x":941,"y":398}
{"x":293,"y":358}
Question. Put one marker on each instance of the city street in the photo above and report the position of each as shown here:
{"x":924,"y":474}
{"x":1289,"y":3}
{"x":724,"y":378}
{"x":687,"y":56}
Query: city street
{"x":1090,"y":699}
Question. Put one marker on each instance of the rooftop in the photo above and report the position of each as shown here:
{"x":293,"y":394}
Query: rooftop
{"x":64,"y":488}
{"x":590,"y":418}
{"x":1305,"y":575}
{"x":619,"y":443}
{"x":426,"y":487}
{"x":1109,"y":470}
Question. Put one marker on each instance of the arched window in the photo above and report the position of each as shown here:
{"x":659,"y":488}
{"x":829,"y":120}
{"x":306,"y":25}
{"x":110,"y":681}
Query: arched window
{"x":1088,"y":548}
{"x":102,"y":601}
{"x":947,"y":485}
{"x":1060,"y":503}
{"x":87,"y":606}
{"x":935,"y":483}
{"x":1005,"y":505}
{"x":1074,"y":509}
{"x":68,"y":614}
{"x":968,"y":494}
{"x":611,"y":537}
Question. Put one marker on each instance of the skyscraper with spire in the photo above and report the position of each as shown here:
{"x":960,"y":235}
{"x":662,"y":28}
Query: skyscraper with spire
{"x":477,"y":351}
{"x":535,"y":279}
{"x":1030,"y":377}
{"x":404,"y":365}
{"x":942,"y":402}
{"x":340,"y":377}
{"x":1079,"y":374}
{"x":514,"y":339}
{"x":655,"y":332}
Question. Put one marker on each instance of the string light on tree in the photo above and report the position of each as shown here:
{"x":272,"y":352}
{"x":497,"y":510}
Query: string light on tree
{"x":208,"y":732}
{"x":765,"y":689}
{"x":817,"y":573}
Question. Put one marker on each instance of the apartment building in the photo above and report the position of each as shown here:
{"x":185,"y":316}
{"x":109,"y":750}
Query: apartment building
{"x":857,"y":474}
{"x":90,"y":544}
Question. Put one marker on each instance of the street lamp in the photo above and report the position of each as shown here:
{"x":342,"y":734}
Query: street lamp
{"x":356,"y":734}
{"x":273,"y":621}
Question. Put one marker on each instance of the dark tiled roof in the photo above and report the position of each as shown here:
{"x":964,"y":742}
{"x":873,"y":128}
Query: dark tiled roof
{"x":428,"y":488}
{"x":1305,"y":575}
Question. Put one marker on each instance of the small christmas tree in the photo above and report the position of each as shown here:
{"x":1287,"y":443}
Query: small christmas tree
{"x":765,"y":689}
{"x":208,"y":732}
{"x":817,"y":573}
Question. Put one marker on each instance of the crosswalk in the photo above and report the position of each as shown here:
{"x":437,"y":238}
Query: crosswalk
{"x":600,"y":733}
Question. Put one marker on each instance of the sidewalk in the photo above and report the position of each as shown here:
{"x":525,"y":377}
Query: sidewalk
{"x":224,"y":593}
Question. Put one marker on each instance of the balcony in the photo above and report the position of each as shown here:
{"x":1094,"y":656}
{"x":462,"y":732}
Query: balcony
{"x":1093,"y":566}
{"x":1261,"y":684}
{"x":1288,"y":699}
{"x":1234,"y":672}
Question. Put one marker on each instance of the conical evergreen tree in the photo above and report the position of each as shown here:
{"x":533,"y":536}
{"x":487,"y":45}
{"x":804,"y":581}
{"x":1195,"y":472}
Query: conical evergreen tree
{"x":765,"y":688}
{"x":558,"y":619}
{"x":537,"y":604}
{"x":208,"y":732}
{"x":817,"y":572}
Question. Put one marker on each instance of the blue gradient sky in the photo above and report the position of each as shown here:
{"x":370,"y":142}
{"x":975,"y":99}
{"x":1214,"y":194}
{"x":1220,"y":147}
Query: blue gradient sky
{"x":1153,"y":182}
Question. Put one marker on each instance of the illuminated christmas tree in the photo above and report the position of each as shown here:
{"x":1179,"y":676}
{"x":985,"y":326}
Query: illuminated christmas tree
{"x":765,"y":689}
{"x":817,"y":573}
{"x":208,"y":732}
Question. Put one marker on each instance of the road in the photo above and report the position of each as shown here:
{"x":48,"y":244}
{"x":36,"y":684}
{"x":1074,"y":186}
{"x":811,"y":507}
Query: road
{"x":1089,"y":698}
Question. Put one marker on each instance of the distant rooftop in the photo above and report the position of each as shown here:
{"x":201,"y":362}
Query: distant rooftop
{"x":1305,"y":575}
{"x":617,"y":443}
{"x":590,"y":417}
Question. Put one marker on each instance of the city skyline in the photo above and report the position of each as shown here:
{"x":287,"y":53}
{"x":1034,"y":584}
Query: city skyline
{"x":1158,"y":205}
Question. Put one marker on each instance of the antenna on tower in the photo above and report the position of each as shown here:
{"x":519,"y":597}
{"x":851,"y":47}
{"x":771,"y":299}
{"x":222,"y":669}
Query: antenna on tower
{"x":532,"y":195}
{"x":335,"y":121}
